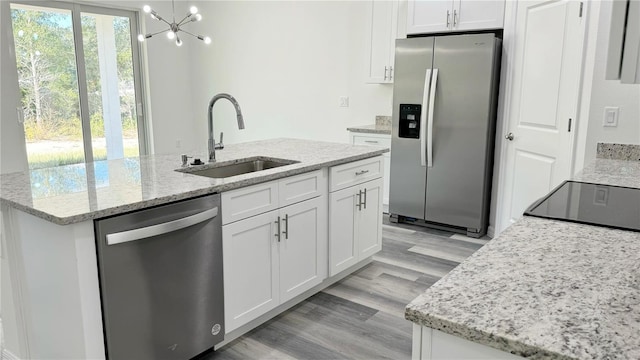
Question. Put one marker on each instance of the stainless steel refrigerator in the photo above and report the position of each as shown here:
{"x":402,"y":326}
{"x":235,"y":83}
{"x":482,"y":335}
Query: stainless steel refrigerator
{"x":444,"y":112}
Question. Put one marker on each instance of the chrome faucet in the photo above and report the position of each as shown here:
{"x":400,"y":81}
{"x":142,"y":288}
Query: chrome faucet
{"x":212,"y":142}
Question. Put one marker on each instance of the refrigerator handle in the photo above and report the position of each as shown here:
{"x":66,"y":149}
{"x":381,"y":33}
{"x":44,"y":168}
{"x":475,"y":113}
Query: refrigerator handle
{"x":423,"y":118}
{"x":432,"y":102}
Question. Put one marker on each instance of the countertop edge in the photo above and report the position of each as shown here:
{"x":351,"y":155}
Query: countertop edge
{"x":365,"y":130}
{"x":117,"y":210}
{"x":480,"y":337}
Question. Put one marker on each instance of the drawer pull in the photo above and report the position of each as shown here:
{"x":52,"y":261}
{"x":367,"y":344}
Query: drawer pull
{"x":371,"y":141}
{"x":358,"y":173}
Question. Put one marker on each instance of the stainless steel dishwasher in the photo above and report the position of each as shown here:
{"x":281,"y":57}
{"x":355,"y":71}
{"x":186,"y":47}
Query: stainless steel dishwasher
{"x":161,"y":280}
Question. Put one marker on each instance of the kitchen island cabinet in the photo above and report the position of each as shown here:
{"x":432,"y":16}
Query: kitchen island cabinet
{"x":48,"y":233}
{"x":542,"y":289}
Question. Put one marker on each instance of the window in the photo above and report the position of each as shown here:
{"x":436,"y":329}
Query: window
{"x":79,"y":77}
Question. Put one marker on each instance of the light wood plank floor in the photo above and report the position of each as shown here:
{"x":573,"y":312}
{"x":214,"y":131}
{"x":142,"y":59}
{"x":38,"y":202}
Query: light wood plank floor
{"x":360,"y":317}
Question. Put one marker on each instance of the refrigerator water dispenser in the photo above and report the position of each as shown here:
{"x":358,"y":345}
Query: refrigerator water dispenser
{"x":409,"y":121}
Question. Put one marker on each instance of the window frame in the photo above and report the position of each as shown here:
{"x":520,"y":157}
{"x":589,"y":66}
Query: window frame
{"x":137,"y":61}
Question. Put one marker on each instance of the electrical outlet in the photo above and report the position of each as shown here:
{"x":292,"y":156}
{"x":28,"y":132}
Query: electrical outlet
{"x":344,"y":101}
{"x":610,"y":116}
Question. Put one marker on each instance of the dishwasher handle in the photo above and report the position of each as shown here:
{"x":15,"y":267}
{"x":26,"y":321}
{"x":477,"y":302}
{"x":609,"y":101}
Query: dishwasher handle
{"x":160,"y":229}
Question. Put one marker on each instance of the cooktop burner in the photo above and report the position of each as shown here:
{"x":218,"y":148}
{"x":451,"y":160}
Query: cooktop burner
{"x":594,"y":204}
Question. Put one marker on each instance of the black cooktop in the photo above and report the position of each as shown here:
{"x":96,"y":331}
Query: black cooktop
{"x":594,"y":204}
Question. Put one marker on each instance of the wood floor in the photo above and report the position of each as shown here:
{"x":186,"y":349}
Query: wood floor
{"x":360,"y":317}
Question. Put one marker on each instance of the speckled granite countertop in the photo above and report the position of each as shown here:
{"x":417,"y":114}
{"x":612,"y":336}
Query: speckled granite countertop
{"x":75,"y":193}
{"x":372,"y":129}
{"x":547,"y":289}
{"x":382,"y":126}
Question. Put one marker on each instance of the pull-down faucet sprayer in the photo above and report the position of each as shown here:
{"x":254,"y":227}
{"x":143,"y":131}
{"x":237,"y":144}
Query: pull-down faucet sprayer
{"x":212,"y":142}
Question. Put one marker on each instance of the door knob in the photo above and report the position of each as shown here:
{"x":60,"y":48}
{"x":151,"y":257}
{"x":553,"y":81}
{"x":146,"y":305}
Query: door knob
{"x":509,"y":136}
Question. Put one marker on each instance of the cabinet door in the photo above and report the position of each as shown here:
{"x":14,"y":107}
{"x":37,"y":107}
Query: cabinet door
{"x":381,"y":33}
{"x":478,"y":14}
{"x":250,"y":269}
{"x":302,"y":247}
{"x":342,"y":230}
{"x":369,"y":226}
{"x":429,"y":16}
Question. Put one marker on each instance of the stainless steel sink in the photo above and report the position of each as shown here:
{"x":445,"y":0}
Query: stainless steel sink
{"x":239,"y":168}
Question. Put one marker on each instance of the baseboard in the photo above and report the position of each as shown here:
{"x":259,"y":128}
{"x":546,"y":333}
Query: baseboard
{"x":491,"y":231}
{"x":7,"y":355}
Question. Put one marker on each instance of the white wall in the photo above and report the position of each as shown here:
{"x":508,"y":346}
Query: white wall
{"x":287,"y":63}
{"x":605,"y":93}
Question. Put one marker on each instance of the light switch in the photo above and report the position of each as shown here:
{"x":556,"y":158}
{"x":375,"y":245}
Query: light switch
{"x":610,"y":116}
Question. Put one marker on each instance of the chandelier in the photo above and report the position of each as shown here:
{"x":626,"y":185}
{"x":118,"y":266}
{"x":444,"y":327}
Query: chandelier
{"x":175,"y":27}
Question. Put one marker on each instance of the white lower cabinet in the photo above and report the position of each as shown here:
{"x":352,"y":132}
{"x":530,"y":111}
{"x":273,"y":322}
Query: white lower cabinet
{"x":358,"y":138}
{"x":273,"y":257}
{"x":355,"y":230}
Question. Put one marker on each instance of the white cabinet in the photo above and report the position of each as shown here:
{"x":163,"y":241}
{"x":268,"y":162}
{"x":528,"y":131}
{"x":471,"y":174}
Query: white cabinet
{"x":430,"y":344}
{"x":377,"y":140}
{"x":272,"y":257}
{"x":302,"y":247}
{"x":250,"y":269}
{"x":382,"y":24}
{"x":454,"y":15}
{"x":355,"y":222}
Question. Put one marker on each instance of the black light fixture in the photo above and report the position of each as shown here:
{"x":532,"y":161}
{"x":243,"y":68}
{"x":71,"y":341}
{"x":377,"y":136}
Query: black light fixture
{"x":175,"y":27}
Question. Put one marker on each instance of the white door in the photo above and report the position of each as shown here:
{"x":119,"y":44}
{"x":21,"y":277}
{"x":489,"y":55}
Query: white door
{"x":342,"y":230}
{"x":369,"y":228}
{"x":303,"y":243}
{"x":429,"y":16}
{"x":250,"y":269}
{"x":548,"y":57}
{"x":478,"y":14}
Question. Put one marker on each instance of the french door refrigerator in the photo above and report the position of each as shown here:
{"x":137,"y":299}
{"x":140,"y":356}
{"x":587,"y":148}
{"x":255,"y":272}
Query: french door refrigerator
{"x":444,"y":111}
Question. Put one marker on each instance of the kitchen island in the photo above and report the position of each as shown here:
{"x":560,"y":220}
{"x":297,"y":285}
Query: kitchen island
{"x":49,"y":218}
{"x":543,"y":289}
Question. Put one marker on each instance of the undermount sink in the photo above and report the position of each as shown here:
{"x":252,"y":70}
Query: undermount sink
{"x":239,"y":168}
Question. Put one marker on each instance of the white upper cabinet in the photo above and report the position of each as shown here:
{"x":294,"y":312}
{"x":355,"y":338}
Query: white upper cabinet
{"x":425,"y":16}
{"x":429,"y":16}
{"x":382,"y":24}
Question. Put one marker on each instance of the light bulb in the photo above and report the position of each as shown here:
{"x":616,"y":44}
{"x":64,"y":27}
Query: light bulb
{"x":207,"y":40}
{"x":198,"y":17}
{"x":146,"y":9}
{"x":178,"y":41}
{"x":193,"y":10}
{"x":171,"y":35}
{"x":140,"y":37}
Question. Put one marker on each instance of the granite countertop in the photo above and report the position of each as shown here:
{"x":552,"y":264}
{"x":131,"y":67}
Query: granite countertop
{"x":74,"y":193}
{"x":381,"y":126}
{"x":546,"y":288}
{"x":371,"y":129}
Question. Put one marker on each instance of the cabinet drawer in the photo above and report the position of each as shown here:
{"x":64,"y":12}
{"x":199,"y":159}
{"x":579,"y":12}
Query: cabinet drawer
{"x":253,"y":200}
{"x":302,"y":187}
{"x":356,"y":172}
{"x":372,"y":141}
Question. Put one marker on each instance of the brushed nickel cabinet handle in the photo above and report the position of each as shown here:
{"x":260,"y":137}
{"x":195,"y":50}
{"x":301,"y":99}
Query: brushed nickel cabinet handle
{"x":358,"y":173}
{"x":277,"y":222}
{"x":448,"y":17}
{"x":371,"y":141}
{"x":455,"y":18}
{"x":365,"y":198}
{"x":286,"y":226}
{"x":359,"y":202}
